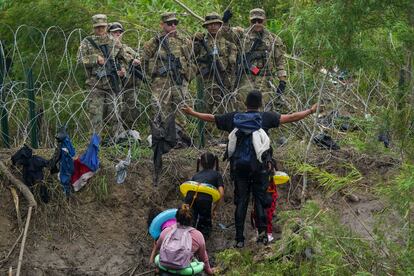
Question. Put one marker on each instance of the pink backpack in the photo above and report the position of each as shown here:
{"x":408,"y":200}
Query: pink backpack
{"x":175,"y":252}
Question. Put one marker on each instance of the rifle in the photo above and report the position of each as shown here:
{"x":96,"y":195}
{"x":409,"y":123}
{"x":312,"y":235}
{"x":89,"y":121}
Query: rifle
{"x":136,"y":71}
{"x":173,"y":64}
{"x":110,"y":68}
{"x":212,"y":61}
{"x":244,"y":62}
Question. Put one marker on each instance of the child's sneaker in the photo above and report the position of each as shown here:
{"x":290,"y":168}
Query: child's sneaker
{"x":262,"y":238}
{"x":270,"y":237}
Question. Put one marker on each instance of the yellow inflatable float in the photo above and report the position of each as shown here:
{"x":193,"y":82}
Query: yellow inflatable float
{"x":280,"y":178}
{"x":200,"y":188}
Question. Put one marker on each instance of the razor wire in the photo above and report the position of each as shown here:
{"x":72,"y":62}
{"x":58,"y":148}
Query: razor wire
{"x":61,"y":97}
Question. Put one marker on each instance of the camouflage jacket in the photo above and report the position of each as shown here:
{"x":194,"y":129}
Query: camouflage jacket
{"x":269,"y":55}
{"x":88,"y":57}
{"x":129,"y":52}
{"x":154,"y":55}
{"x":207,"y":48}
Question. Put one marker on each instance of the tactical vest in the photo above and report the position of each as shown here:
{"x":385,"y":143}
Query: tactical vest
{"x":99,"y":41}
{"x":261,"y":55}
{"x":158,"y":63}
{"x":219,"y":50}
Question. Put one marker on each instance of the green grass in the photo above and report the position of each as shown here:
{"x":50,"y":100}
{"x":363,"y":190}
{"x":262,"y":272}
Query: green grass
{"x":399,"y":193}
{"x":330,"y":182}
{"x":100,"y":188}
{"x":313,"y":243}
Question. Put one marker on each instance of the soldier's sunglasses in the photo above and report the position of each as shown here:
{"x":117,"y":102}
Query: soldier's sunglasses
{"x":170,"y":23}
{"x":257,"y":21}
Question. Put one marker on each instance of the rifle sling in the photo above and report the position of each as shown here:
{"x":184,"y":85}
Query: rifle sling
{"x":176,"y":77}
{"x":113,"y":79}
{"x":93,"y":43}
{"x":208,"y":60}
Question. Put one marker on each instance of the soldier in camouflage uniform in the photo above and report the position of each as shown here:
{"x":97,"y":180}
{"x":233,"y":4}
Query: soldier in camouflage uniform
{"x":116,"y":30}
{"x":260,"y":56}
{"x":166,"y":59}
{"x":215,"y":58}
{"x":103,"y":88}
{"x":129,"y":108}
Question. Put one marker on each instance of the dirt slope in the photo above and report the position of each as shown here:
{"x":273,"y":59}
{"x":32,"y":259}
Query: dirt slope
{"x":101,"y":230}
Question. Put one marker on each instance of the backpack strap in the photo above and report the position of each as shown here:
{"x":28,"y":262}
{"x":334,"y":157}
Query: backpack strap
{"x":195,"y":195}
{"x":231,"y":144}
{"x":169,"y":235}
{"x":189,"y":228}
{"x":93,"y":43}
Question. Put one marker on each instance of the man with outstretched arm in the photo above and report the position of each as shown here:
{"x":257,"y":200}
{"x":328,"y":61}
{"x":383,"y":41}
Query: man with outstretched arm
{"x":250,"y":155}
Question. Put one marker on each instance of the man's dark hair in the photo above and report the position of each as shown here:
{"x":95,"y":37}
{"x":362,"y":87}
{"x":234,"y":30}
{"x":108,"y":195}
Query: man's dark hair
{"x":254,"y":100}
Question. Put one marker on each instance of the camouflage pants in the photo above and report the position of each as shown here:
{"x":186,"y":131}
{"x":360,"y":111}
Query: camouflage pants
{"x":217,"y":100}
{"x":261,"y":83}
{"x":103,"y":108}
{"x":129,"y":108}
{"x":133,"y":104}
{"x":168,"y":98}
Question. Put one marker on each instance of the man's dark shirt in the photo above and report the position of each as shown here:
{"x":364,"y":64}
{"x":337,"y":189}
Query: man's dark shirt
{"x":269,"y":120}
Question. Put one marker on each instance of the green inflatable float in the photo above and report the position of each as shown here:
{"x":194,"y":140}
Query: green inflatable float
{"x":194,"y":268}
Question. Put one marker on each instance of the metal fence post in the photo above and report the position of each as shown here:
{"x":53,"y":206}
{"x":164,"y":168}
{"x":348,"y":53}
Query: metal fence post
{"x":3,"y":110}
{"x":32,"y":109}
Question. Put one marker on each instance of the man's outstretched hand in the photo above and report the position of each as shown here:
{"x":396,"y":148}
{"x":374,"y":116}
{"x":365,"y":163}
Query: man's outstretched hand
{"x":187,"y":110}
{"x":313,"y":108}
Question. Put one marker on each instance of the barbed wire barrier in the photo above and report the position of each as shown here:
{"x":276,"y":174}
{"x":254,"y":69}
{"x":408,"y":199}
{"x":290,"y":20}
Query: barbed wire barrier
{"x":43,"y":88}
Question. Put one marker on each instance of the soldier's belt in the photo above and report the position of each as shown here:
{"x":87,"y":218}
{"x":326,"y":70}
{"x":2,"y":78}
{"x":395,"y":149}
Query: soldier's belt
{"x":204,"y":71}
{"x":101,"y":73}
{"x":161,"y":72}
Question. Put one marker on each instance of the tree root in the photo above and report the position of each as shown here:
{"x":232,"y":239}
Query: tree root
{"x":26,"y":228}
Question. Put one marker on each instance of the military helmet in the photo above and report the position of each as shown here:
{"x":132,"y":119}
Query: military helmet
{"x":115,"y":26}
{"x":212,"y":18}
{"x":99,"y":20}
{"x":168,"y":16}
{"x":257,"y":14}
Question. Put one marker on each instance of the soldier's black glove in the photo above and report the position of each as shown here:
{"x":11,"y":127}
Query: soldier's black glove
{"x":281,"y":88}
{"x":227,"y":16}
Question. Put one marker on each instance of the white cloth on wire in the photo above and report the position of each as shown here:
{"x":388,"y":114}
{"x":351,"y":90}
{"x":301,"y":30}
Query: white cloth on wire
{"x":121,"y":168}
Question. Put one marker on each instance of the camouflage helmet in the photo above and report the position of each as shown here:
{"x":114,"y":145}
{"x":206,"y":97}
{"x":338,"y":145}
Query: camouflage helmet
{"x":99,"y":20}
{"x":257,"y":14}
{"x":168,"y":16}
{"x":115,"y":26}
{"x":212,"y":18}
